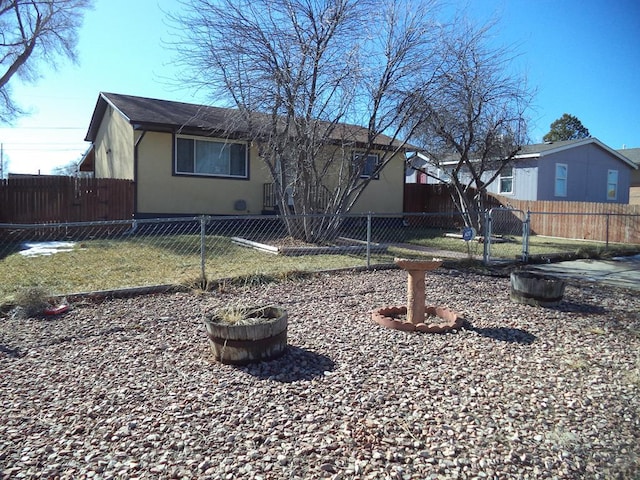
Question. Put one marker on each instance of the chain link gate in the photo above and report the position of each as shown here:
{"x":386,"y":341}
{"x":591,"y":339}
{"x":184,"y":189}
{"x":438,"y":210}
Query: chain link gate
{"x":506,"y":229}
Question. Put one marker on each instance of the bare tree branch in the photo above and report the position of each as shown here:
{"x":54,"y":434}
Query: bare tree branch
{"x":476,"y":124}
{"x":34,"y":32}
{"x":314,"y":81}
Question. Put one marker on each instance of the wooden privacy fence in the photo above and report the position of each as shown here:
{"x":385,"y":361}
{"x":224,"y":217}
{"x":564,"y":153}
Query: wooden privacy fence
{"x":606,"y":222}
{"x":58,"y":199}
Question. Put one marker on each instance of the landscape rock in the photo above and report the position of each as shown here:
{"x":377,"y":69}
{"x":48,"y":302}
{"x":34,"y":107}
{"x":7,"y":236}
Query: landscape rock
{"x":115,"y":390}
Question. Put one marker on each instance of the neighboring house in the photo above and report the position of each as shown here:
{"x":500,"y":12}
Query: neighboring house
{"x":633,"y":154}
{"x":419,"y":170}
{"x":188,"y":159}
{"x":584,"y":170}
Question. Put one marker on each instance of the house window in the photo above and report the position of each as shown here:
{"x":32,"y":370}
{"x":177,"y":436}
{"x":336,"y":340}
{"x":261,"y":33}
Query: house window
{"x":369,"y":166}
{"x":612,"y":185}
{"x":506,"y":180}
{"x":561,"y":180}
{"x":210,"y":157}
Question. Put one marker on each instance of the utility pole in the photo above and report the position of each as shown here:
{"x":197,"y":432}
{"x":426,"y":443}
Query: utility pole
{"x":1,"y":161}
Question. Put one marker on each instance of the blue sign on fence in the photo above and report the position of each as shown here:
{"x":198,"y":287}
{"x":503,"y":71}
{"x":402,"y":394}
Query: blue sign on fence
{"x":468,"y":234}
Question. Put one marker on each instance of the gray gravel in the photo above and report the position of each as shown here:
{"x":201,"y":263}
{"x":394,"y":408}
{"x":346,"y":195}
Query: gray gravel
{"x":127,"y":388}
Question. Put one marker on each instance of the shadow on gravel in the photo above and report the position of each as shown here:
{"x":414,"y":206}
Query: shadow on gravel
{"x":297,"y":364}
{"x":10,"y":352}
{"x":504,"y":334}
{"x":583,"y":308}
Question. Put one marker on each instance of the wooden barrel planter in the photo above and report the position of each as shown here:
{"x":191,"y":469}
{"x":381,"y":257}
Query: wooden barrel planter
{"x":254,"y":335}
{"x":535,"y":289}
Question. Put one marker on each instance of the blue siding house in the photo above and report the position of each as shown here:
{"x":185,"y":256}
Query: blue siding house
{"x":633,"y":154}
{"x":584,"y":170}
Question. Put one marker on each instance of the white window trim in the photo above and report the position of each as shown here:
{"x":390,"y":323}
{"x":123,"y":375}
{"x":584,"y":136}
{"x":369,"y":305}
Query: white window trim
{"x":615,"y":197}
{"x":510,"y":192}
{"x":210,"y":175}
{"x":555,"y":181}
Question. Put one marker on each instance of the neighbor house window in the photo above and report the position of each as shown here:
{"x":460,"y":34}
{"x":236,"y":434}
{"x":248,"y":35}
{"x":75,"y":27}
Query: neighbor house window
{"x":506,"y":180}
{"x":561,"y":180}
{"x":369,"y":166}
{"x":197,"y":156}
{"x":612,"y":185}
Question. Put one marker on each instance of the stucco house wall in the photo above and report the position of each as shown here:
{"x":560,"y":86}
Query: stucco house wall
{"x":113,"y":147}
{"x":161,"y":192}
{"x":384,"y":194}
{"x":135,"y":138}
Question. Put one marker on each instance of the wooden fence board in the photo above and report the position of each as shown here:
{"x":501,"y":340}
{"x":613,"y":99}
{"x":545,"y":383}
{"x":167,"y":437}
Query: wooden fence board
{"x":57,"y":199}
{"x":615,"y":222}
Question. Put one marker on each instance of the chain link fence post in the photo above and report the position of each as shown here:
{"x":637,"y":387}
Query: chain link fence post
{"x":368,"y":240}
{"x":486,"y":253}
{"x":203,"y":232}
{"x":526,"y":229}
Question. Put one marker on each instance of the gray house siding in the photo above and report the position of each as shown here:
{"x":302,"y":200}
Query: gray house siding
{"x":525,"y":181}
{"x":587,"y":169}
{"x":588,"y":163}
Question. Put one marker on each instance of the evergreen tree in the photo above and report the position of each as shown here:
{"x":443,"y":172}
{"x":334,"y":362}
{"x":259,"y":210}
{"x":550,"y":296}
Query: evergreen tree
{"x":567,"y":127}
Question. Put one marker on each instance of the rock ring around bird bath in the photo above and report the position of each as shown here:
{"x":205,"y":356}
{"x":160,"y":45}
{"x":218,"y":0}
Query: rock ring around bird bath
{"x":436,"y":319}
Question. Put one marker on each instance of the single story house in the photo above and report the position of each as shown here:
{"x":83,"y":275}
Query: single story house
{"x":188,"y":159}
{"x":633,"y":154}
{"x":584,"y":170}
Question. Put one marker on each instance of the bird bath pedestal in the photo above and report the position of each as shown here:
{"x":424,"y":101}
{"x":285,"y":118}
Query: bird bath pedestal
{"x":416,"y":270}
{"x":415,"y":316}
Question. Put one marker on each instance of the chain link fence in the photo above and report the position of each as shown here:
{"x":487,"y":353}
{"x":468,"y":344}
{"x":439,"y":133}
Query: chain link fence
{"x":197,"y":251}
{"x":507,"y":235}
{"x":207,"y":251}
{"x":547,"y":235}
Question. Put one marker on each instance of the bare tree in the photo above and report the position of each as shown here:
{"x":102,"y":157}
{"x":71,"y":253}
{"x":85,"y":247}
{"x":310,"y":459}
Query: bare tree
{"x":312,"y":81}
{"x":476,"y":123}
{"x":69,"y":169}
{"x":32,"y":32}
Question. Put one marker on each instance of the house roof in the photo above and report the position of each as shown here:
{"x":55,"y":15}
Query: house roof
{"x":539,"y":150}
{"x":542,"y":149}
{"x":632,"y":154}
{"x":153,"y":114}
{"x":177,"y":117}
{"x":536,"y":149}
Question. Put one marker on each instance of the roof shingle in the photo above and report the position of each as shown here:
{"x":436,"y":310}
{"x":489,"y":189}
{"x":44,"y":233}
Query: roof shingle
{"x":178,"y":117}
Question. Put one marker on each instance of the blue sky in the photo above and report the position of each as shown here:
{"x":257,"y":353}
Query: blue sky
{"x":582,"y":56}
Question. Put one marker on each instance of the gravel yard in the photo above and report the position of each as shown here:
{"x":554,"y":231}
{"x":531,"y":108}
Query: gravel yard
{"x":126,"y":388}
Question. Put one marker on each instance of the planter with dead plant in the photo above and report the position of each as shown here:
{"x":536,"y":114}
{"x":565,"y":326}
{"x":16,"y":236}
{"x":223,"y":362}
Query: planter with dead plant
{"x":241,"y":335}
